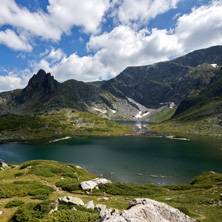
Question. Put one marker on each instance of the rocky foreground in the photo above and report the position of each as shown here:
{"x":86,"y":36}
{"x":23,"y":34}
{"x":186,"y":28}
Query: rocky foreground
{"x":50,"y":191}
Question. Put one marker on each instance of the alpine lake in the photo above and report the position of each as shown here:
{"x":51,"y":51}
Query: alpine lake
{"x":130,"y":159}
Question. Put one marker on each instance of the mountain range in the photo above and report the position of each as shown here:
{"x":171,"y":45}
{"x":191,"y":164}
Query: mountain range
{"x":141,"y":93}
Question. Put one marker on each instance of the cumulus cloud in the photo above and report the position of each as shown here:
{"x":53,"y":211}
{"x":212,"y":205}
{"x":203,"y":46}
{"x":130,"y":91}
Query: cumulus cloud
{"x":13,"y":41}
{"x":201,"y":28}
{"x":13,"y":81}
{"x":87,"y":14}
{"x":113,"y":52}
{"x":129,"y":11}
{"x":61,"y":17}
{"x":38,"y":23}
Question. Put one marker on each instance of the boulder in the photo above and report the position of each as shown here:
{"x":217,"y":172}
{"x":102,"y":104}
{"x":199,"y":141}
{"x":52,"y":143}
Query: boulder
{"x":100,"y":208}
{"x":3,"y":164}
{"x":88,"y":185}
{"x":71,"y":201}
{"x":146,"y":210}
{"x":90,"y":205}
{"x":91,"y":184}
{"x":54,"y":207}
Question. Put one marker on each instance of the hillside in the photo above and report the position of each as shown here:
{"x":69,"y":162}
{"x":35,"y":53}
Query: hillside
{"x":28,"y":192}
{"x":56,"y":125}
{"x":201,"y":114}
{"x":138,"y":93}
{"x":43,"y":94}
{"x":167,"y":82}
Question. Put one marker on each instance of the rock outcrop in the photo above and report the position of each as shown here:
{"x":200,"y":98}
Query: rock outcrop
{"x":146,"y":210}
{"x":3,"y":164}
{"x":91,"y":184}
{"x":71,"y":201}
{"x":90,"y":205}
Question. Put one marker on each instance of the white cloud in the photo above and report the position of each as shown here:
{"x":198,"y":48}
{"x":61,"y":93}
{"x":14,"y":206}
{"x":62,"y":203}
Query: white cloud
{"x":201,"y":28}
{"x":37,"y":23}
{"x":87,"y":14}
{"x":55,"y":55}
{"x":13,"y":81}
{"x":114,"y":51}
{"x":142,"y":11}
{"x":61,"y":17}
{"x":13,"y":41}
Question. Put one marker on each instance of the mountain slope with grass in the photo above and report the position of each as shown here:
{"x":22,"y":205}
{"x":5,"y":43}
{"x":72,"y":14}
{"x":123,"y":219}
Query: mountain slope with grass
{"x":43,"y":94}
{"x":137,"y":93}
{"x":167,"y":82}
{"x":28,"y":192}
{"x":55,"y":125}
{"x":201,"y":114}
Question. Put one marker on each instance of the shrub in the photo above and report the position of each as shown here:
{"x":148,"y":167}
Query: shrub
{"x":70,"y":215}
{"x":18,"y":174}
{"x":68,"y":185}
{"x":14,"y":203}
{"x":24,"y":188}
{"x":31,"y":212}
{"x":40,"y":197}
{"x":129,"y":189}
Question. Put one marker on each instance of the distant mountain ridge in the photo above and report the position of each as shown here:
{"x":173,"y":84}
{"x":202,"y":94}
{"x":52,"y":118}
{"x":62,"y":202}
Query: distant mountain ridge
{"x":152,"y":87}
{"x":167,"y":82}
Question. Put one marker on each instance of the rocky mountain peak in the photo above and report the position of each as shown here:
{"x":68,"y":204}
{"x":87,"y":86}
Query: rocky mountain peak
{"x":41,"y":83}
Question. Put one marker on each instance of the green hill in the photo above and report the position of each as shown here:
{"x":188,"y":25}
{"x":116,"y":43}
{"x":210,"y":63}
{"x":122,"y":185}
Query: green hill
{"x":28,"y":192}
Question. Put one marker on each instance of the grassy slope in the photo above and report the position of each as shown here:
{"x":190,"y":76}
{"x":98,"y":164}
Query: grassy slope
{"x":191,"y":122}
{"x":41,"y":178}
{"x":57,"y":124}
{"x":201,"y":114}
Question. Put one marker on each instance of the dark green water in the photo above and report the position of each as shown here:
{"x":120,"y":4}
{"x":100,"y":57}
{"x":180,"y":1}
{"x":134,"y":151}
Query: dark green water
{"x":127,"y":159}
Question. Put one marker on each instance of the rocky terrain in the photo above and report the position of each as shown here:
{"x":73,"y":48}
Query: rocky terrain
{"x":42,"y":190}
{"x":138,"y":93}
{"x":200,"y":114}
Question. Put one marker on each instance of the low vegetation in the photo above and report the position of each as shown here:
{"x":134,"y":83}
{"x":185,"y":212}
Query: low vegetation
{"x":30,"y":196}
{"x":57,"y":124}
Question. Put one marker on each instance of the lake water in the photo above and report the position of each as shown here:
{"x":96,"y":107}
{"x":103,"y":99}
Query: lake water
{"x":128,"y":159}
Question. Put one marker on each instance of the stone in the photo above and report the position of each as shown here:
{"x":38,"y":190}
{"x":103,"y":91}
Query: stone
{"x":101,"y":208}
{"x":90,"y":205}
{"x":221,"y":196}
{"x":1,"y":212}
{"x":71,"y":201}
{"x":54,"y":207}
{"x":146,"y":210}
{"x":91,"y":184}
{"x":3,"y":164}
{"x":88,"y":185}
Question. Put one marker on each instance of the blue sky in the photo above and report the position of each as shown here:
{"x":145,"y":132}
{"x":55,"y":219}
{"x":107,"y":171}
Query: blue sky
{"x":92,"y":40}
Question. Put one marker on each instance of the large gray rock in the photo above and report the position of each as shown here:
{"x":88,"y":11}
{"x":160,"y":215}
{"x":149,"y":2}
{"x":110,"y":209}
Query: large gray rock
{"x":146,"y":210}
{"x":3,"y":164}
{"x":101,"y":208}
{"x":71,"y":201}
{"x":91,"y":184}
{"x":88,"y":185}
{"x":90,"y":205}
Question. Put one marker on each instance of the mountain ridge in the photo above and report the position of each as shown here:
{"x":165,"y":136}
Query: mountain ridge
{"x":163,"y":84}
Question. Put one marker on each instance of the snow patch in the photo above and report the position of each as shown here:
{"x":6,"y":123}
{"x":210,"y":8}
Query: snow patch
{"x":214,"y":65}
{"x":140,"y":106}
{"x":141,"y":115}
{"x":172,"y":105}
{"x":100,"y":110}
{"x":113,"y":111}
